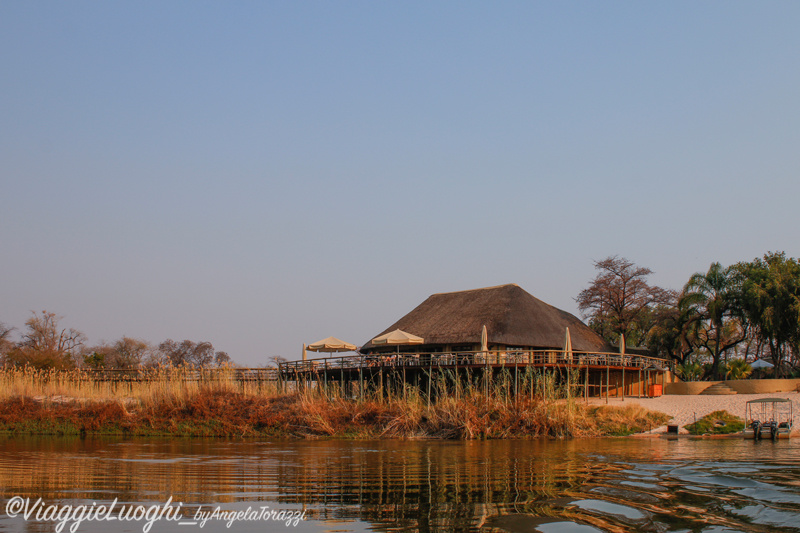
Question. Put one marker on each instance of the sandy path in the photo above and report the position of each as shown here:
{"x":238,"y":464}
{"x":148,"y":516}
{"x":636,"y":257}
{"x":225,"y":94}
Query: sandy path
{"x":683,"y":409}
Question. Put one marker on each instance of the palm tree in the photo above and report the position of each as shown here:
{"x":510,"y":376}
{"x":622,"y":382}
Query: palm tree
{"x":689,"y":370}
{"x":713,"y":297}
{"x":738,"y":369}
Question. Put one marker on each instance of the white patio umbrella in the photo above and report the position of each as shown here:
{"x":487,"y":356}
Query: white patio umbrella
{"x":760,"y":363}
{"x":568,"y":347}
{"x":397,"y":337}
{"x":484,"y":339}
{"x":331,"y":345}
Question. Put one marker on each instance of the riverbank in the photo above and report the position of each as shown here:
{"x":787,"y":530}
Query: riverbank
{"x":222,"y":413}
{"x":683,"y":410}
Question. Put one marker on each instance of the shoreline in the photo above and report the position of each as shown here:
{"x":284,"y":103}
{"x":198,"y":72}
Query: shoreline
{"x":684,"y":408}
{"x":216,"y":413}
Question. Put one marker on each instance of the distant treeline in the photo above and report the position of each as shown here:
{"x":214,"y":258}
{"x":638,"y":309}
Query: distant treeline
{"x":44,"y":344}
{"x":720,"y":320}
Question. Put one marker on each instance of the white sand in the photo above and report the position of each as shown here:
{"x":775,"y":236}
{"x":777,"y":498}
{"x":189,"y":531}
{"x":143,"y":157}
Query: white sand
{"x":683,"y":409}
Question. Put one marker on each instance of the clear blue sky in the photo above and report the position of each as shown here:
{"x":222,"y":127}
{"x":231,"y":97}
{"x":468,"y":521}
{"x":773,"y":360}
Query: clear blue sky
{"x":263,"y":174}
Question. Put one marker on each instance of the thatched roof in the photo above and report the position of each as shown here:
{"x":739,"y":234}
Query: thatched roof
{"x":512,"y":317}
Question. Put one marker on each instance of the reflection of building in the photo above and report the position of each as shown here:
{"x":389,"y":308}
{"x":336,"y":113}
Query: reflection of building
{"x":514,"y":320}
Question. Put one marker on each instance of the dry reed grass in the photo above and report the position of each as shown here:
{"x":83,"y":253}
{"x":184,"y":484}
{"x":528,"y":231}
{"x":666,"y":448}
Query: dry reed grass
{"x":152,"y":386}
{"x":182,"y":402}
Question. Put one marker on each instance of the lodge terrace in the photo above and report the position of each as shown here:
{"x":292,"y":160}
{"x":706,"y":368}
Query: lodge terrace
{"x":484,"y":339}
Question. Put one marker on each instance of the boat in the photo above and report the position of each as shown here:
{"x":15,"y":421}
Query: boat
{"x":768,"y":418}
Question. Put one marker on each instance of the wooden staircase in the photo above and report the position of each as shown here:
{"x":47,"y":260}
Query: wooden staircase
{"x":719,"y":388}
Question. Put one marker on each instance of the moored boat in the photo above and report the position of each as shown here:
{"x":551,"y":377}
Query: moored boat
{"x":768,"y":418}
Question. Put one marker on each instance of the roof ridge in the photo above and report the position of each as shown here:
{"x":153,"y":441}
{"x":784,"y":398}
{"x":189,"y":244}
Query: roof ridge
{"x":480,"y":289}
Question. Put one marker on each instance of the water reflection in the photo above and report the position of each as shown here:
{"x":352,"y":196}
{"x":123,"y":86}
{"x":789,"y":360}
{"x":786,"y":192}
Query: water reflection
{"x":546,"y":486}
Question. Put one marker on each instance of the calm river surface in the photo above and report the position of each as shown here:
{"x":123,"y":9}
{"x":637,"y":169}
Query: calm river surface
{"x":546,"y":486}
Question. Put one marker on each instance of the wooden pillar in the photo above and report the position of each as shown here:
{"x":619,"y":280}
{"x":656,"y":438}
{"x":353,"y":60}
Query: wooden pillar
{"x":516,"y":379}
{"x":486,"y":376}
{"x":430,"y":378}
{"x":404,"y":381}
{"x":531,"y":384}
{"x":458,"y":379}
{"x":586,"y":385}
{"x":569,"y":384}
{"x":640,"y":382}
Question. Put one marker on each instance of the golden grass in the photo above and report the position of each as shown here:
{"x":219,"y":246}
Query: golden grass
{"x":176,"y":401}
{"x":155,"y":385}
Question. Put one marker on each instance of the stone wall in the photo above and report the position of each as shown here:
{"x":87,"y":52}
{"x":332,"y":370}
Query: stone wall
{"x":742,"y":386}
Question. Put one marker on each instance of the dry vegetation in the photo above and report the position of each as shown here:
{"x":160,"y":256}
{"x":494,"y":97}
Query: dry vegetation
{"x":53,"y":402}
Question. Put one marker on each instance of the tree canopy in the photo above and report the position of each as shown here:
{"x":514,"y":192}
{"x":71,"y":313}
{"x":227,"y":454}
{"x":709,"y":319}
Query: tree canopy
{"x":620,"y":300}
{"x":722,"y":315}
{"x":711,"y":298}
{"x":45,"y":344}
{"x":770,"y":298}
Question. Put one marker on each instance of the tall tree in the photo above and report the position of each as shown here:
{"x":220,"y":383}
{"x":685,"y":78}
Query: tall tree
{"x":200,"y":354}
{"x":673,"y":334}
{"x":46,"y":345}
{"x":5,"y":342}
{"x":124,"y":354}
{"x":770,"y":297}
{"x":619,"y":299}
{"x":713,"y":298}
{"x":129,"y":353}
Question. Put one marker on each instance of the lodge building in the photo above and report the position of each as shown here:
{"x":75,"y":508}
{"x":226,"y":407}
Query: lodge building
{"x":481,"y":335}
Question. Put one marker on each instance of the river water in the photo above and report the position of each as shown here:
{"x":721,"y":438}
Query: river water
{"x":586,"y":485}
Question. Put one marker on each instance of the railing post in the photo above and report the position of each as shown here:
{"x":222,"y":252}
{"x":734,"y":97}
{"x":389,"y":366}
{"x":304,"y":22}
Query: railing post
{"x":430,"y":378}
{"x":640,"y":381}
{"x":586,"y":385}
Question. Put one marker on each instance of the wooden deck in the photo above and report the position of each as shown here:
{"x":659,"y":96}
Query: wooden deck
{"x":595,"y":372}
{"x":542,"y":359}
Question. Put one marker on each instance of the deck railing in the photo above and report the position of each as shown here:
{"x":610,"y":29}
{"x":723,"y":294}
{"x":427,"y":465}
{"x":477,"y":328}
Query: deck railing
{"x":539,"y":358}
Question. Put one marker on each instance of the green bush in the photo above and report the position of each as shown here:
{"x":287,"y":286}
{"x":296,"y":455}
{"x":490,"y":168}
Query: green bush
{"x":716,"y":423}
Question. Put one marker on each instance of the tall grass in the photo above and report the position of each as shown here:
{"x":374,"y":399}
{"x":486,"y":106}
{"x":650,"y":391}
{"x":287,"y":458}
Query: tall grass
{"x":150,"y":386}
{"x":177,"y":401}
